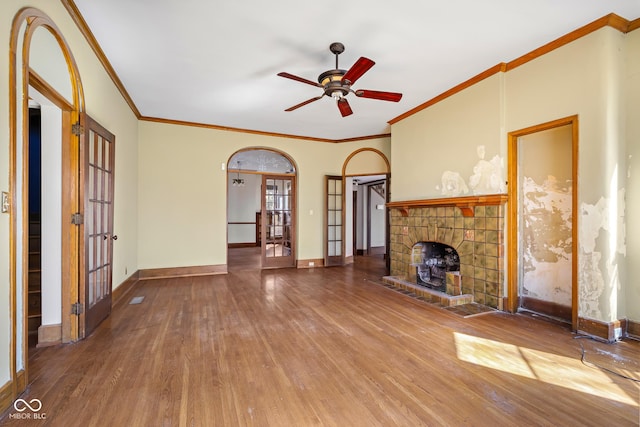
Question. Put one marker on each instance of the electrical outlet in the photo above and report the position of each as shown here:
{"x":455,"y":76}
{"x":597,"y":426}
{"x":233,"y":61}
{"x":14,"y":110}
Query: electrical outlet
{"x":311,"y":263}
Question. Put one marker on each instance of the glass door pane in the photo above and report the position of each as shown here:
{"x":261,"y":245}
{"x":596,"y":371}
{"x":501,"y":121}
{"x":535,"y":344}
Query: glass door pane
{"x":97,"y":246}
{"x":333,"y":221}
{"x":278,"y":221}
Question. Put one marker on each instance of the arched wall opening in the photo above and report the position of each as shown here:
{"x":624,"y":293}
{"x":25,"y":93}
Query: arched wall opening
{"x":261,"y":209}
{"x":41,"y":63}
{"x":366,"y":177}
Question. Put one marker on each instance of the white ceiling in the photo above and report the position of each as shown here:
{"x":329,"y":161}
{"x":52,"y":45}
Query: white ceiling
{"x":215,"y":62}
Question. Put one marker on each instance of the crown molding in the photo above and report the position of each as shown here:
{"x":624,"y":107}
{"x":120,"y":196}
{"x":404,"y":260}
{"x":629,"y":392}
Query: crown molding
{"x":82,"y":25}
{"x":611,"y":20}
{"x":261,"y":133}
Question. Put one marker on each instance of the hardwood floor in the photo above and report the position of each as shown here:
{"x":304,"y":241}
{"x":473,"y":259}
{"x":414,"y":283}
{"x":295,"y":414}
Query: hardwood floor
{"x":324,"y":346}
{"x":240,"y":259}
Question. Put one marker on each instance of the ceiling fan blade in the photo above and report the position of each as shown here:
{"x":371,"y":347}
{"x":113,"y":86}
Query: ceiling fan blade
{"x":344,"y":107}
{"x":356,"y":71}
{"x":299,"y":79}
{"x":302,"y":104}
{"x":374,"y":94}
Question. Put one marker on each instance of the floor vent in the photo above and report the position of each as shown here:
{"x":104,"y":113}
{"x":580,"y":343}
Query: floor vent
{"x":136,"y":300}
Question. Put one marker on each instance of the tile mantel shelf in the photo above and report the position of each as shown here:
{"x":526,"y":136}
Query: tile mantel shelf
{"x":465,"y":204}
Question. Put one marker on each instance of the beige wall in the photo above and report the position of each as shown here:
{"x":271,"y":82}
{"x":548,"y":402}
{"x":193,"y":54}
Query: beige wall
{"x":446,"y":138}
{"x":547,"y":151}
{"x":366,"y":162}
{"x":183,"y":190}
{"x":584,"y":78}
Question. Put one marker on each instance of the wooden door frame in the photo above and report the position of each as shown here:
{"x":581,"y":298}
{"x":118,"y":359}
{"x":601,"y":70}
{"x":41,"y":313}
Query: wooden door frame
{"x":26,"y":21}
{"x":293,"y":175}
{"x":354,"y":219}
{"x":369,"y":191}
{"x":387,"y":173}
{"x":368,"y":207}
{"x":513,"y":297}
{"x":294,"y":213}
{"x":328,"y":259}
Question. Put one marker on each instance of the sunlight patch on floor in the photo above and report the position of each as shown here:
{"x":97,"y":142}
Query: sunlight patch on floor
{"x":539,"y":365}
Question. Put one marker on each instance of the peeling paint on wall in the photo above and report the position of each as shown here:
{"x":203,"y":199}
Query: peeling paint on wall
{"x":591,"y":285}
{"x":487,"y":176}
{"x":596,"y":223}
{"x":453,"y":184}
{"x":546,"y":240}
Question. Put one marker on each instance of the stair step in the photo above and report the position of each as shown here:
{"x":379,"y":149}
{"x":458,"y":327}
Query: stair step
{"x":35,"y":279}
{"x":34,"y":323}
{"x":34,"y":228}
{"x":35,"y":303}
{"x":35,"y":244}
{"x":34,"y":260}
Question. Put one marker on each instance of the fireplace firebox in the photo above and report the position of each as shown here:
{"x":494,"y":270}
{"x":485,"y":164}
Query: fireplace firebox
{"x":432,"y":261}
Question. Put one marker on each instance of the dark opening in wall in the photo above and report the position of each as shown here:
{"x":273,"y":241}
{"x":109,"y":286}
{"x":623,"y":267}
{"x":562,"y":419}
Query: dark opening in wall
{"x":432,"y":261}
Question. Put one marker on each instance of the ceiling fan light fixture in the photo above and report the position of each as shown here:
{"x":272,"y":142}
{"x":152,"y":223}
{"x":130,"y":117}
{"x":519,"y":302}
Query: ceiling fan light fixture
{"x":337,"y":83}
{"x":331,"y":77}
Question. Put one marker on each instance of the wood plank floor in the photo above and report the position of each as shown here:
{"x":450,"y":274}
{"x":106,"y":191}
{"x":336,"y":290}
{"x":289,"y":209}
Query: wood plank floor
{"x":326,"y":346}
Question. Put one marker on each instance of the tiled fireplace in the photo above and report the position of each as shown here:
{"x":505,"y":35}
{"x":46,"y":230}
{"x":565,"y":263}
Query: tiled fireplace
{"x":472,"y":227}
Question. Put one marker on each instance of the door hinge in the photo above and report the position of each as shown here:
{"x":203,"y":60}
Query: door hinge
{"x":76,"y":218}
{"x":77,"y":309}
{"x":77,"y":129}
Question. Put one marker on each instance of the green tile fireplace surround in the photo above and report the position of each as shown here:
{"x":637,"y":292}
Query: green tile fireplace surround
{"x":473,"y":226}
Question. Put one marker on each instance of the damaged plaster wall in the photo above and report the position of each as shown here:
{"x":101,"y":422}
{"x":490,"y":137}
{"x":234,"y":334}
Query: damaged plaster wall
{"x":546,"y":240}
{"x":632,"y":177}
{"x":487,"y":177}
{"x":445,"y":137}
{"x":545,"y":226}
{"x":603,"y":225}
{"x":584,"y":79}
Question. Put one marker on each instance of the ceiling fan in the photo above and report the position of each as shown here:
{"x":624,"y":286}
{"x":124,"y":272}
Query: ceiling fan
{"x":337,"y":83}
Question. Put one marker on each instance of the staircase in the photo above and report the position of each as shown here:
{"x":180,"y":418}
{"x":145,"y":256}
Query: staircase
{"x":380,"y":189}
{"x":34,"y":280}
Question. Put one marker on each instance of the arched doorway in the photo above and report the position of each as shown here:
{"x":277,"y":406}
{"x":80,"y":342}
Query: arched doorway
{"x":360,"y":204}
{"x":41,"y":64}
{"x":261,"y":209}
